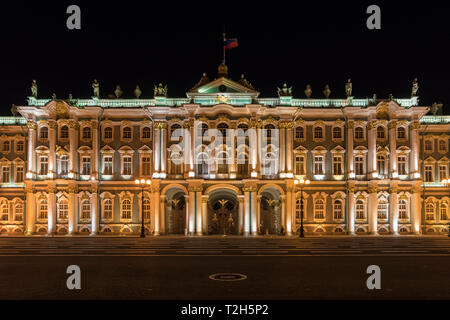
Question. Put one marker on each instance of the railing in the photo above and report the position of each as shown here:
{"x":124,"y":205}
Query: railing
{"x":12,"y":121}
{"x":435,"y":119}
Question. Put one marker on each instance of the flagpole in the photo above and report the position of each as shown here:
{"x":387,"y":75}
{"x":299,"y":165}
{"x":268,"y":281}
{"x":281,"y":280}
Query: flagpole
{"x":224,"y":47}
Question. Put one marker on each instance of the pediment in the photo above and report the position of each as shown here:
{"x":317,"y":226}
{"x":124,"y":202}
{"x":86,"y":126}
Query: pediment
{"x":220,"y":86}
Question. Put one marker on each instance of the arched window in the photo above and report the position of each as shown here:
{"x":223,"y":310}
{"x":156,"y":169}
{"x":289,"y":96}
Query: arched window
{"x":176,"y":162}
{"x":222,"y":127}
{"x":429,"y":211}
{"x":43,"y":133}
{"x":242,"y":162}
{"x":43,"y":209}
{"x":319,"y":209}
{"x":6,"y":146}
{"x":381,"y":165}
{"x":269,"y":164}
{"x":270,"y":130}
{"x":126,"y":209}
{"x":202,"y":164}
{"x":146,"y":133}
{"x":382,"y":209}
{"x":64,"y":132}
{"x":299,"y":133}
{"x":429,"y":145}
{"x":4,"y":210}
{"x":127,"y":133}
{"x":337,"y":210}
{"x":444,"y":211}
{"x":20,"y":146}
{"x":359,"y":133}
{"x":360,"y":213}
{"x":401,"y":133}
{"x":204,"y":128}
{"x":442,"y":146}
{"x":146,"y":207}
{"x":108,"y":133}
{"x":63,"y":209}
{"x":86,"y":133}
{"x":18,"y":212}
{"x":107,"y":209}
{"x":380,"y":132}
{"x":85,"y":209}
{"x":318,"y":133}
{"x":337,"y":133}
{"x":403,"y":209}
{"x":173,"y":128}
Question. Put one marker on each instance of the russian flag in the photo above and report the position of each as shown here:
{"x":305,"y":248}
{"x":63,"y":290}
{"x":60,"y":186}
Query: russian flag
{"x":230,"y":43}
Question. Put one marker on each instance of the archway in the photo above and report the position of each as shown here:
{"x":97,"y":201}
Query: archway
{"x":270,"y":212}
{"x":175,"y":214}
{"x":222,"y":212}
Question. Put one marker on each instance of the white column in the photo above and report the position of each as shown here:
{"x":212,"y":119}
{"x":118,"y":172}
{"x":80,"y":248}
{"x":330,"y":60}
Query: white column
{"x":393,"y":210}
{"x":73,"y":141}
{"x":156,"y":149}
{"x":246,"y":212}
{"x":372,"y":154}
{"x":253,"y":212}
{"x":283,"y":212}
{"x":372,"y":215}
{"x":289,"y":151}
{"x":156,"y":207}
{"x":31,"y":211}
{"x":52,"y":148}
{"x":163,"y":149}
{"x":282,"y":147}
{"x":51,"y":221}
{"x":350,"y":165}
{"x":187,"y":209}
{"x":258,"y":214}
{"x":31,"y":148}
{"x":414,"y":150}
{"x":162,"y":214}
{"x":416,"y":210}
{"x":289,"y":222}
{"x":205,"y":214}
{"x":199,"y":213}
{"x":94,"y":212}
{"x":351,"y":211}
{"x":393,"y":150}
{"x":95,"y":149}
{"x":241,"y":214}
{"x":191,"y":227}
{"x":72,"y":223}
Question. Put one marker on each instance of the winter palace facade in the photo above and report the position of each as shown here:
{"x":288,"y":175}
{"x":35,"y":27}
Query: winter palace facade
{"x":224,"y":161}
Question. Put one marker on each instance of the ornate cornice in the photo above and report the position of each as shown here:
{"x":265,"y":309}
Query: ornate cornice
{"x":32,"y":125}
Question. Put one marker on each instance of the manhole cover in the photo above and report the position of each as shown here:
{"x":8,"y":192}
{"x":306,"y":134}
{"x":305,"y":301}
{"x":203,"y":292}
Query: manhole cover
{"x":228,"y":276}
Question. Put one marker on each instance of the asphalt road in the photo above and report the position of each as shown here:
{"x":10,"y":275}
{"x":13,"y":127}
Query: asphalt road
{"x":179,"y":267}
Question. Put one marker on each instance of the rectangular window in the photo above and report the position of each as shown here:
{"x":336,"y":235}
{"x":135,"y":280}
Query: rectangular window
{"x":442,"y":172}
{"x":43,"y":165}
{"x":108,"y":165}
{"x":5,"y":174}
{"x":337,"y":166}
{"x":126,"y":166}
{"x":318,"y":165}
{"x":382,"y":210}
{"x":85,"y":166}
{"x":19,"y":175}
{"x":428,"y":173}
{"x":359,"y":166}
{"x":300,"y":165}
{"x":146,"y":166}
{"x":20,"y":146}
{"x":402,"y":165}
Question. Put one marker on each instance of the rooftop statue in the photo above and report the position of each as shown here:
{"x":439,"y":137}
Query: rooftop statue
{"x":34,"y":89}
{"x":308,"y":91}
{"x":245,"y":82}
{"x":415,"y":87}
{"x":327,"y":91}
{"x":348,"y":88}
{"x":160,"y":91}
{"x":118,"y":92}
{"x":137,"y":92}
{"x":96,"y":87}
{"x":204,"y":80}
{"x":285,"y":91}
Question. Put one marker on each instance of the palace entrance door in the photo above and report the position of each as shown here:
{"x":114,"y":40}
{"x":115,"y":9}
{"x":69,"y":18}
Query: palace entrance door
{"x":176,"y":216}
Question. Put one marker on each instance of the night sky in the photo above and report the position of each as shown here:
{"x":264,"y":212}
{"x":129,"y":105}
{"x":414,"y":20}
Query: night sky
{"x":146,"y":43}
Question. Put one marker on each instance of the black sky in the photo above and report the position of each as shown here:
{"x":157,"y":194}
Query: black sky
{"x":144,"y":43}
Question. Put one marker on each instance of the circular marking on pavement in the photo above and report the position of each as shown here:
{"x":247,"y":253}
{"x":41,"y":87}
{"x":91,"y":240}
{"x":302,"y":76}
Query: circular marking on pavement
{"x":228,"y":277}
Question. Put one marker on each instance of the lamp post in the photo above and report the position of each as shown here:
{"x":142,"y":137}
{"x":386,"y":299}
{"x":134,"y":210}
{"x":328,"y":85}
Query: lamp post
{"x":445,"y":182}
{"x":301,"y":182}
{"x":142,"y":183}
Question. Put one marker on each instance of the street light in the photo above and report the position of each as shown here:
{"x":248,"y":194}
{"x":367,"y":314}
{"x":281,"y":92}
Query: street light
{"x":301,"y":182}
{"x":142,"y":183}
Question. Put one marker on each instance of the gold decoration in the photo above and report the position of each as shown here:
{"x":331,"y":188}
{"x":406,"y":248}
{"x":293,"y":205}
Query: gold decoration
{"x":31,"y":125}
